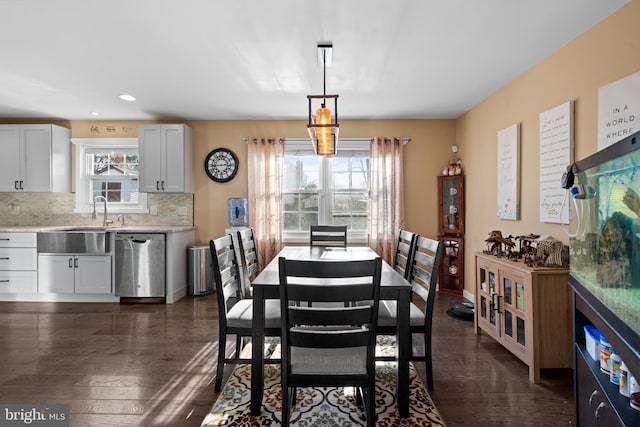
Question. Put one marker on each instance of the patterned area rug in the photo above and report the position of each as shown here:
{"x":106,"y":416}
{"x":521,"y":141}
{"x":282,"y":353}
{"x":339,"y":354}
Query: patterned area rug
{"x":321,"y":406}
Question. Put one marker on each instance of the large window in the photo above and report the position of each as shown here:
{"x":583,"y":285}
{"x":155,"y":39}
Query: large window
{"x":108,"y":168}
{"x":325,"y":190}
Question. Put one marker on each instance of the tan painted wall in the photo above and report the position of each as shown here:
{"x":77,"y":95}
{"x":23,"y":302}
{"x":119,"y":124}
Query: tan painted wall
{"x":424,"y":158}
{"x":607,"y":52}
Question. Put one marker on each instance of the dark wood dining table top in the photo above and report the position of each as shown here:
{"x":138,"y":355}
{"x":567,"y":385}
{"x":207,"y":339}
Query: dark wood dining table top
{"x":392,"y":287}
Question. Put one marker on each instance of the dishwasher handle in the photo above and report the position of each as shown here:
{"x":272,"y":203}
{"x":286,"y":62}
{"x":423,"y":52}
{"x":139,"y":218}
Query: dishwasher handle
{"x":139,"y":237}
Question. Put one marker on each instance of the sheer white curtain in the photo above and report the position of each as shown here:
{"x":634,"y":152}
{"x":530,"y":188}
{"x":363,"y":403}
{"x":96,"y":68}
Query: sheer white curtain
{"x":386,"y":196}
{"x":265,"y":174}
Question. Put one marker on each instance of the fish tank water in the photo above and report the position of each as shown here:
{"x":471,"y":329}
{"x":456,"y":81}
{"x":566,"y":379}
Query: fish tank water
{"x":604,"y":228}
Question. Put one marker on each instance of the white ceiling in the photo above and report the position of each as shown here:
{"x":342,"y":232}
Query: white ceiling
{"x":256,"y":59}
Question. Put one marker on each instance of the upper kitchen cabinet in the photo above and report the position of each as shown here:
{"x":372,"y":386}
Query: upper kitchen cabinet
{"x":166,"y":158}
{"x":36,"y":158}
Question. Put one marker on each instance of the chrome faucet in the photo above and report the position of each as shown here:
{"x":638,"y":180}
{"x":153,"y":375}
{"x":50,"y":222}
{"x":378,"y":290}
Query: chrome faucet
{"x":120,"y":219}
{"x":93,"y":215}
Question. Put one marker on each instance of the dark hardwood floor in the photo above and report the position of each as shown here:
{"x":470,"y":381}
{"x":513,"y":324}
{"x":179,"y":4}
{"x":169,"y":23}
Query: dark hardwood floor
{"x":153,"y":365}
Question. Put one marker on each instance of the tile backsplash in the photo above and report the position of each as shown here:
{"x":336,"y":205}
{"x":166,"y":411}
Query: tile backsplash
{"x":56,"y":209}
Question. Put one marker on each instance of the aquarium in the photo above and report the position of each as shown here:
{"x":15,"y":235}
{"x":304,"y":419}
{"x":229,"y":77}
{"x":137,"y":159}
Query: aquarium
{"x":604,"y":227}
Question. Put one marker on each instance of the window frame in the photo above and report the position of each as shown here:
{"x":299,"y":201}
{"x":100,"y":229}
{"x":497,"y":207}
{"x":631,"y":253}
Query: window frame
{"x":82,"y":202}
{"x":301,"y":147}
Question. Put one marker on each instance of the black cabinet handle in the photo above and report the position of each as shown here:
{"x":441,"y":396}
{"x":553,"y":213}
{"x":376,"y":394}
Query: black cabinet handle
{"x":70,"y":262}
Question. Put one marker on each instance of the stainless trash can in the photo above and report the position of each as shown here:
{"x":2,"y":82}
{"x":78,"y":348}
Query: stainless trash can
{"x":200,"y":280}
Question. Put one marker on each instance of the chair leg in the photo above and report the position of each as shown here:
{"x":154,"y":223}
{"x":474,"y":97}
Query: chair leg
{"x":286,"y":405}
{"x":222,"y":353}
{"x":428,"y":362}
{"x":370,"y":406}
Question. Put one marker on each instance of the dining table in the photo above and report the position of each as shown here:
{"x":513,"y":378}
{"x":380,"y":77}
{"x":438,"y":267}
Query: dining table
{"x":393,"y":286}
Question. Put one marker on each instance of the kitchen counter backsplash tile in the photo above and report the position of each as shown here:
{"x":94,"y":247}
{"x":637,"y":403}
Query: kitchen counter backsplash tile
{"x":56,"y":209}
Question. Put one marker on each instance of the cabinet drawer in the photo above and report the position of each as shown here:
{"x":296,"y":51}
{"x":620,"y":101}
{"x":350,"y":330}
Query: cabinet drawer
{"x":18,"y":282}
{"x":18,"y":259}
{"x":18,"y":240}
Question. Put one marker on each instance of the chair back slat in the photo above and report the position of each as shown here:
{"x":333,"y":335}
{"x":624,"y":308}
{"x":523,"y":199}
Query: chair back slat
{"x":301,"y":315}
{"x":328,"y":235}
{"x":225,"y":272}
{"x":423,"y":274}
{"x":249,"y":260}
{"x":321,"y":339}
{"x":404,"y":252}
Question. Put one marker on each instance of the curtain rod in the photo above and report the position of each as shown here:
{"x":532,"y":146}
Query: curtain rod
{"x":404,"y":140}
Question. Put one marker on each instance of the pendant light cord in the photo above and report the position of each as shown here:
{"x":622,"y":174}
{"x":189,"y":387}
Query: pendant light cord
{"x":324,"y":76}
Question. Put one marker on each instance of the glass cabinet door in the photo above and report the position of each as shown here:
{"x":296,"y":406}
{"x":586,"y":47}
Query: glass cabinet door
{"x":488,"y":299}
{"x":513,"y":310}
{"x":451,"y":202}
{"x":451,"y":272}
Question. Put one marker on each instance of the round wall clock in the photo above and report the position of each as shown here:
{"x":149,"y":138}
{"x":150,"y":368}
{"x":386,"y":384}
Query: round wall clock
{"x":221,"y":165}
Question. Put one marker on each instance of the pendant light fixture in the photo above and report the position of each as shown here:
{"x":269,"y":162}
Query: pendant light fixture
{"x":323,"y":127}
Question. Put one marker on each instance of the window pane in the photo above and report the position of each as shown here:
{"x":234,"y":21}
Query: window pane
{"x":291,"y":222}
{"x":114,"y":175}
{"x":291,"y":202}
{"x":346,"y":200}
{"x":306,"y":220}
{"x":309,"y":202}
{"x":360,"y":180}
{"x":341,"y":180}
{"x":360,"y":202}
{"x":301,"y":173}
{"x":341,"y":164}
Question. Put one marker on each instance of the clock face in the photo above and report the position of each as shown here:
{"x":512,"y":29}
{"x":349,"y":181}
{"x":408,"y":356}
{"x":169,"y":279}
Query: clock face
{"x":221,"y":165}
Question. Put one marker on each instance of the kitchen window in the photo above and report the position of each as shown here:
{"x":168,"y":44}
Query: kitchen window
{"x":108,"y":167}
{"x":332,"y":190}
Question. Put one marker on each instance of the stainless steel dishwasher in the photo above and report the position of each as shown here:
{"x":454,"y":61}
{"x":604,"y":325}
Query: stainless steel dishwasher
{"x":140,"y":265}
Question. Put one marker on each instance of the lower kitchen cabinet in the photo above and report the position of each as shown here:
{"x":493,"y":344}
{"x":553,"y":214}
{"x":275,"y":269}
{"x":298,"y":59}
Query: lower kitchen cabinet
{"x":80,"y":274}
{"x":18,"y":263}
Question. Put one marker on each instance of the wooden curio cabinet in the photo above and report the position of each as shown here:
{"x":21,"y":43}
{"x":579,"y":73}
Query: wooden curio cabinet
{"x":451,"y":233}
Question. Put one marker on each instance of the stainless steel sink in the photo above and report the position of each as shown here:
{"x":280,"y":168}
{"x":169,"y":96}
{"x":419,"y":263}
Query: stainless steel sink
{"x":76,"y":240}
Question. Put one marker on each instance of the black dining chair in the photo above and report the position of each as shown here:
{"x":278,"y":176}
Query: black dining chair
{"x":328,"y":235}
{"x":248,"y":248}
{"x":329,"y":346}
{"x":423,"y":276}
{"x":235,"y":314}
{"x":404,"y":251}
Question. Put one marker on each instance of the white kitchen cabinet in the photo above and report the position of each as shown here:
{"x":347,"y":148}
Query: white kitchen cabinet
{"x":80,"y":274}
{"x":18,"y":263}
{"x":35,"y":158}
{"x":166,"y":158}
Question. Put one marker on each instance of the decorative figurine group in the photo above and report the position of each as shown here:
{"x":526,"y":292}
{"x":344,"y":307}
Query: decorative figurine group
{"x":533,"y":251}
{"x":455,"y":164}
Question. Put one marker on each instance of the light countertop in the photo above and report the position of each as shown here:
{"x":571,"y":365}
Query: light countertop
{"x":126,"y":229}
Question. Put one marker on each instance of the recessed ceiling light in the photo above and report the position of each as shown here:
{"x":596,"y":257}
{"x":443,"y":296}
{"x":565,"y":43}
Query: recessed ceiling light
{"x":95,"y":113}
{"x":127,"y":97}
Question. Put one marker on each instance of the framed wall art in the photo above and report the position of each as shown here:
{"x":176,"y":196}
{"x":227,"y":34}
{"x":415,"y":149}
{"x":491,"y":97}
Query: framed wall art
{"x":509,"y":173}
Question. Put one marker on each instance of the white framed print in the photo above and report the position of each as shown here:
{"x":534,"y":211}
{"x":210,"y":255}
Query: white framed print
{"x":508,"y":206}
{"x":556,"y":153}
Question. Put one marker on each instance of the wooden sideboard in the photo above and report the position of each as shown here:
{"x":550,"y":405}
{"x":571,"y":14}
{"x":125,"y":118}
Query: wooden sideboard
{"x":527,"y":310}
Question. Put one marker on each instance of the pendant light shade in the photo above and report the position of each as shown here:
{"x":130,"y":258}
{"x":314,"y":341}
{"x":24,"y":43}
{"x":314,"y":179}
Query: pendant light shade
{"x":323,"y":127}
